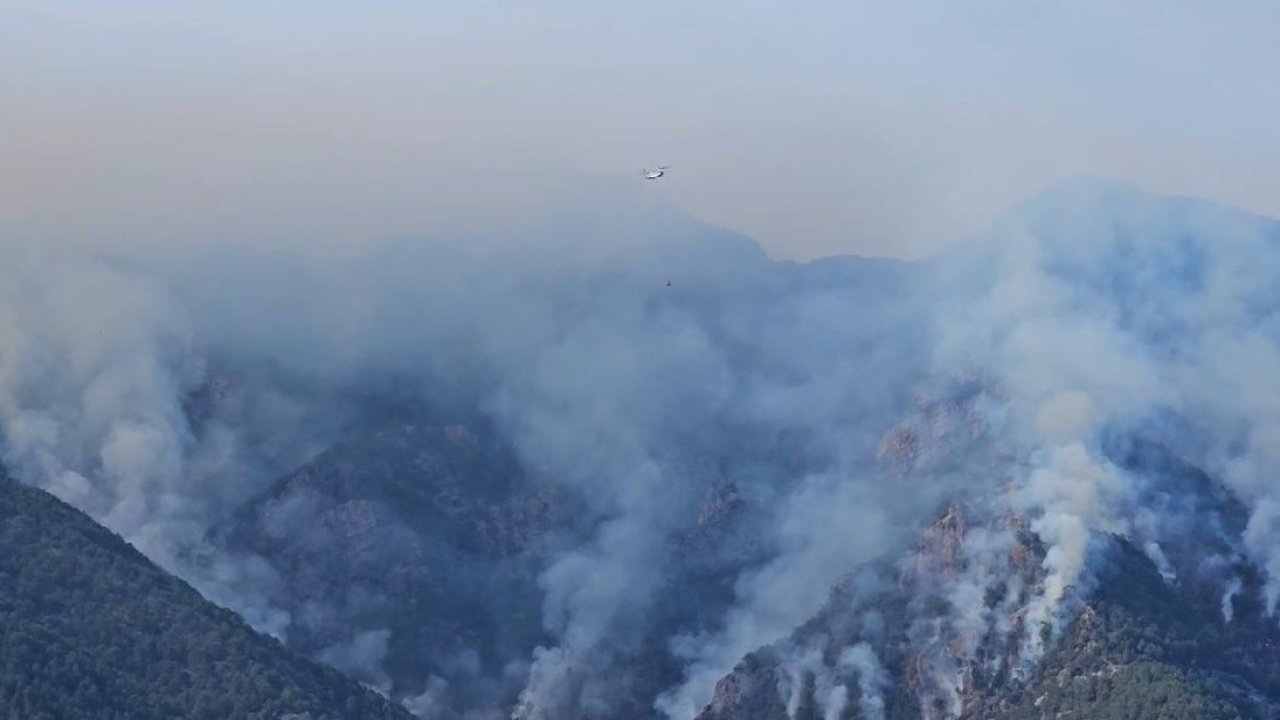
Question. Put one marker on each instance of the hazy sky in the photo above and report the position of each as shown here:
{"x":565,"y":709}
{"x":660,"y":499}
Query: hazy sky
{"x":878,"y":127}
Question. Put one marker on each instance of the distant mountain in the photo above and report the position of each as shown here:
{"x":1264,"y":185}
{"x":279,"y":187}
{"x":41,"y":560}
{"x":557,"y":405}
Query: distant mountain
{"x":89,"y":628}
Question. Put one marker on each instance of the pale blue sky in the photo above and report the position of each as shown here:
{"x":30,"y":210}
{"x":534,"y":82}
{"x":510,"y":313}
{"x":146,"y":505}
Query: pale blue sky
{"x":818,"y":127}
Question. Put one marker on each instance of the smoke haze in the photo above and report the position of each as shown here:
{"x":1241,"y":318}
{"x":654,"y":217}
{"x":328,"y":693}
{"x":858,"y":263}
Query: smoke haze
{"x":228,"y":245}
{"x":617,"y":387}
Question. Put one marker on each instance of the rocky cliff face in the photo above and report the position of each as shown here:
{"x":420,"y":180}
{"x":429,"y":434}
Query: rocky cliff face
{"x":927,"y":636}
{"x":944,"y":633}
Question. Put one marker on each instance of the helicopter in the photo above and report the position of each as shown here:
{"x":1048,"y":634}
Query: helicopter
{"x":656,"y":173}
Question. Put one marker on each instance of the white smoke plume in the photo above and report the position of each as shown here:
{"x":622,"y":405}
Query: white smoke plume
{"x":872,"y":679}
{"x":828,"y":526}
{"x":94,"y":362}
{"x":1099,"y":308}
{"x":1106,"y":307}
{"x":362,"y":657}
{"x":430,"y":704}
{"x":1091,"y":309}
{"x":1228,"y":599}
{"x":594,"y":369}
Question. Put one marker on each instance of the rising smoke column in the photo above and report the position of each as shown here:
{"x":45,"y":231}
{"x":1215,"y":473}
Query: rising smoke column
{"x":1093,"y":307}
{"x":1099,"y":308}
{"x":94,"y":362}
{"x":1096,"y":309}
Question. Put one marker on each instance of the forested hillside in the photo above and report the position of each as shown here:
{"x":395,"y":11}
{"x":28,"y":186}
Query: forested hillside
{"x":89,"y":628}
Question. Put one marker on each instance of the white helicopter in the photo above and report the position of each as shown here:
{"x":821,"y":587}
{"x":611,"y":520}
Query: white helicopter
{"x":656,"y":173}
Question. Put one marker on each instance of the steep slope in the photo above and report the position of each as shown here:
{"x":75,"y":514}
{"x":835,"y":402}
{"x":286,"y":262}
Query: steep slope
{"x":415,"y":555}
{"x":891,"y":646}
{"x":90,"y":629}
{"x":1135,"y":652}
{"x":957,"y":628}
{"x":409,"y":552}
{"x":412,"y":554}
{"x":1141,"y":650}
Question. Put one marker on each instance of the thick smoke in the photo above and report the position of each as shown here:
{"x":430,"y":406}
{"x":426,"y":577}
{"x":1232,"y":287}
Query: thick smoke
{"x":1100,"y":308}
{"x":95,"y":363}
{"x":827,"y":527}
{"x":1094,"y":310}
{"x":1091,"y":310}
{"x":614,"y":385}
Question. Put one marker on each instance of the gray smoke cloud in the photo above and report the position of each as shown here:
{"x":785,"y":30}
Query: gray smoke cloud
{"x":1093,"y":308}
{"x":827,"y":527}
{"x":95,"y":364}
{"x":604,"y":379}
{"x":366,"y":650}
{"x":1102,"y":308}
{"x":872,"y":679}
